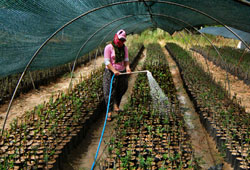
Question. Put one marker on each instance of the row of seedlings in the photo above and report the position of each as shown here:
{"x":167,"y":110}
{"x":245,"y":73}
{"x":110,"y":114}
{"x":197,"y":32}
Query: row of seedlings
{"x":34,"y":79}
{"x":234,"y":61}
{"x":146,"y":137}
{"x":224,"y":118}
{"x":43,"y":137}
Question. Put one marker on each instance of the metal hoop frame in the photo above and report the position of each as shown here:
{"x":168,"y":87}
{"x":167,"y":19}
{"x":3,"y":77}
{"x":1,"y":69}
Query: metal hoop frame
{"x":217,"y":51}
{"x":90,"y":37}
{"x":93,"y":10}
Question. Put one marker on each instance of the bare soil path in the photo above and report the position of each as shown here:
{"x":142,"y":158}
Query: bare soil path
{"x":82,"y":157}
{"x":26,"y":102}
{"x":202,"y":142}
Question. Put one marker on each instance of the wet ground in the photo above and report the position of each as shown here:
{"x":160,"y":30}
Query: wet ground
{"x":202,"y":143}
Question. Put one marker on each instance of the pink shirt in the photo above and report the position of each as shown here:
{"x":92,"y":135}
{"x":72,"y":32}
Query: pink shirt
{"x":109,"y":58}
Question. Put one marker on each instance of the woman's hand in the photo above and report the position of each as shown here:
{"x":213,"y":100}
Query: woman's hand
{"x":117,"y":73}
{"x":128,"y":70}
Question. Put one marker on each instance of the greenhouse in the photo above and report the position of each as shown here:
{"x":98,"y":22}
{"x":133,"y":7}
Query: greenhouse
{"x":124,"y":84}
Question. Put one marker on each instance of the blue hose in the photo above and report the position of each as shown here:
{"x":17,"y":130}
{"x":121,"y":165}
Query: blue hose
{"x":93,"y":165}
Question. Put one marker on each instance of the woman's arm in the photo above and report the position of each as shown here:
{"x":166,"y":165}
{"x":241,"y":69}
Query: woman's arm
{"x":128,"y":70}
{"x":113,"y":69}
{"x":107,"y":57}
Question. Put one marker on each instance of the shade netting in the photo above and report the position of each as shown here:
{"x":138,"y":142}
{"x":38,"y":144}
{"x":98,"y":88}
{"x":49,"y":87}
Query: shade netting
{"x":72,"y":28}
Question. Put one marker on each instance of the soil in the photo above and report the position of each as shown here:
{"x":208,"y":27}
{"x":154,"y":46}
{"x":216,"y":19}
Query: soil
{"x":27,"y":102}
{"x":202,"y":142}
{"x":237,"y":87}
{"x":82,"y":157}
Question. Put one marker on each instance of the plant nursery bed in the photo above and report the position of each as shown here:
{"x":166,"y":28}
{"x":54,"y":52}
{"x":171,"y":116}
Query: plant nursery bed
{"x":224,"y":119}
{"x":150,"y":135}
{"x":234,"y":61}
{"x":43,"y":137}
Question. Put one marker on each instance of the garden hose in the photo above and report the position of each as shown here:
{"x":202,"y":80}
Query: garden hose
{"x":111,"y":82}
{"x":93,"y":165}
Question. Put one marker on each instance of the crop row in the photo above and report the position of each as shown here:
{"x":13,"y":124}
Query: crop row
{"x":37,"y":139}
{"x":233,"y":60}
{"x":35,"y":79}
{"x":43,"y":137}
{"x":224,"y":119}
{"x":39,"y":77}
{"x":146,"y":137}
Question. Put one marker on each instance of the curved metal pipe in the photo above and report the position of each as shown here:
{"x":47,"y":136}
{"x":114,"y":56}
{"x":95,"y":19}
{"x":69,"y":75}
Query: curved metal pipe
{"x":46,"y":41}
{"x":205,"y":14}
{"x":90,"y":37}
{"x":191,"y":33}
{"x":111,"y":31}
{"x":150,"y":12}
{"x":95,"y":9}
{"x":202,"y":35}
{"x":174,"y":20}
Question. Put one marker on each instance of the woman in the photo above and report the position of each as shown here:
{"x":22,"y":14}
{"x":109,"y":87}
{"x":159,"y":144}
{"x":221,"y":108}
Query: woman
{"x":116,"y":61}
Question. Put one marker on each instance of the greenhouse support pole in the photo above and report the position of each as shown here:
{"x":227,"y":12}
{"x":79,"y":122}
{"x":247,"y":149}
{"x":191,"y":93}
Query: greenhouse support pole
{"x":204,"y":57}
{"x":32,"y":81}
{"x":150,"y":13}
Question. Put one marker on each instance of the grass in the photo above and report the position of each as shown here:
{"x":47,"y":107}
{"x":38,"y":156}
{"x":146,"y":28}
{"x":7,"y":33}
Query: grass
{"x":182,"y":38}
{"x":150,"y":36}
{"x":187,"y":40}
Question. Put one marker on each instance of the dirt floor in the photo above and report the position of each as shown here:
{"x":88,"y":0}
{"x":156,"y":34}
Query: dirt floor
{"x":202,"y":143}
{"x":237,"y":86}
{"x":82,"y":157}
{"x":26,"y":102}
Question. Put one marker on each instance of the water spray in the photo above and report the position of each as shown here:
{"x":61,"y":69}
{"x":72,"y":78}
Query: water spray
{"x":160,"y":101}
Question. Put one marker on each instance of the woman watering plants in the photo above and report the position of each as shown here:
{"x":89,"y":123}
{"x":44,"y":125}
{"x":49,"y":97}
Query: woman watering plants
{"x":116,"y":61}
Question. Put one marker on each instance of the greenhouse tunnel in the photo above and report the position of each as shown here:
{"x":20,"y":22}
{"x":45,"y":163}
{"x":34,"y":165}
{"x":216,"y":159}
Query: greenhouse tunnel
{"x":42,"y":34}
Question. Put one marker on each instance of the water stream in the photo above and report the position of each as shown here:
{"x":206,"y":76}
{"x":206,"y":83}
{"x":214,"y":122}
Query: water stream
{"x":160,"y":100}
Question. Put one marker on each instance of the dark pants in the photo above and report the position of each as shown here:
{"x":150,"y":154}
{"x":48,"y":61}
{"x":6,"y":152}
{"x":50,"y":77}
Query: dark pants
{"x":119,"y":87}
